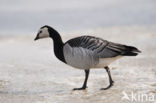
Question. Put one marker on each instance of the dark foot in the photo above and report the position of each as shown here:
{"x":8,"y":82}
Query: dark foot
{"x":108,"y":86}
{"x":82,"y":88}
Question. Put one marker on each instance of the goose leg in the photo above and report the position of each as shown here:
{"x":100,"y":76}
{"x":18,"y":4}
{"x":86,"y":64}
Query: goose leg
{"x":85,"y":82}
{"x":110,"y":79}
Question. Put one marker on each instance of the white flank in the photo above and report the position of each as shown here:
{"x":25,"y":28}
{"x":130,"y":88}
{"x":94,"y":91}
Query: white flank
{"x":78,"y":57}
{"x":106,"y":61}
{"x":81,"y":58}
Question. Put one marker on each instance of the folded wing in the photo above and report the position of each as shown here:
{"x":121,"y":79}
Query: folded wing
{"x":102,"y":48}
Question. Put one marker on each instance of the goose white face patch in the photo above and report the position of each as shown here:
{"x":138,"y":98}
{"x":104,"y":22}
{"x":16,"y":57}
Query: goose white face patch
{"x":43,"y":33}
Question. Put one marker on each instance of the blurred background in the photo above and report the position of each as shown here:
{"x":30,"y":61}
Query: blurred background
{"x":30,"y":72}
{"x":23,"y":17}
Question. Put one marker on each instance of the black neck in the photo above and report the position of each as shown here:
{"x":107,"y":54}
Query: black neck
{"x":58,"y":45}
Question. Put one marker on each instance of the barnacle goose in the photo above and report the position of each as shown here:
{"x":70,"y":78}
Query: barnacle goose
{"x":87,"y":52}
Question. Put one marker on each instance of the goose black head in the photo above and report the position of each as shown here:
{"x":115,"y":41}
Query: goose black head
{"x":45,"y":32}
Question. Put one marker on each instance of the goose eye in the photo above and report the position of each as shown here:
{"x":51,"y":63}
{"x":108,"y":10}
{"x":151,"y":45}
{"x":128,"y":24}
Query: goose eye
{"x":40,"y":32}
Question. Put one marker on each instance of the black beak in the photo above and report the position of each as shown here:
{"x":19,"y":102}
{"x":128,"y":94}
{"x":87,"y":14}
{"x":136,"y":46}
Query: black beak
{"x":37,"y":37}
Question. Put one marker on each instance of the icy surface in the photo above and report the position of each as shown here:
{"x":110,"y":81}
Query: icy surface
{"x":30,"y":73}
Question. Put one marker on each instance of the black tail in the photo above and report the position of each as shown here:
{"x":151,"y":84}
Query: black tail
{"x":130,"y":51}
